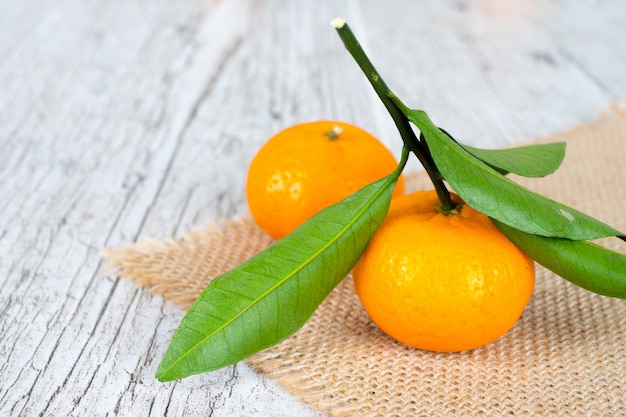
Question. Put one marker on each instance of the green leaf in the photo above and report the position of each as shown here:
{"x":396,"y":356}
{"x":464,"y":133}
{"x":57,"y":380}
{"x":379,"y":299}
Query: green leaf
{"x":269,"y":297}
{"x":528,"y":161}
{"x":491,"y":193}
{"x":585,"y":264}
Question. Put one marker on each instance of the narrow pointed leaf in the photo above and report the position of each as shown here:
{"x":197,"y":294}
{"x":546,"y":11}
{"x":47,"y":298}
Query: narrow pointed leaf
{"x":497,"y":196}
{"x":269,"y":297}
{"x":528,"y":161}
{"x":583,"y":263}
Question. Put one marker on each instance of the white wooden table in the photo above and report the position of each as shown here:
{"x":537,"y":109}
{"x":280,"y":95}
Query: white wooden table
{"x":124,"y":119}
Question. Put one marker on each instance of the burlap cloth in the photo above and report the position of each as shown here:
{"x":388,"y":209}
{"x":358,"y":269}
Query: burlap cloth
{"x":565,"y":356}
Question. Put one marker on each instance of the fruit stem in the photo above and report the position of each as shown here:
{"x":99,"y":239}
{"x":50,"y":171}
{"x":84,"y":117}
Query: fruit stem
{"x":418,"y":147}
{"x":333,"y":134}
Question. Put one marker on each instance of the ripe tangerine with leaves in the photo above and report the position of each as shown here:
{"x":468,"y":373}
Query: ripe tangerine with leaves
{"x":310,"y":166}
{"x":443,"y":282}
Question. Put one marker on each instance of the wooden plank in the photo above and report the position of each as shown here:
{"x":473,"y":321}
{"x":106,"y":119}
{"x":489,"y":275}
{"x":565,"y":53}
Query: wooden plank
{"x":89,"y":154}
{"x":501,"y":72}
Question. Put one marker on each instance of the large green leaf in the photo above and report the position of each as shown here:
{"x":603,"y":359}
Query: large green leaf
{"x":269,"y":297}
{"x":585,"y":264}
{"x":527,"y":161}
{"x":489,"y":192}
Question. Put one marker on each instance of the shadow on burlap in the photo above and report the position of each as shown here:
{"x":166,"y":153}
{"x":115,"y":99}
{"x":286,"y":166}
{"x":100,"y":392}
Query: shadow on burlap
{"x":565,"y":356}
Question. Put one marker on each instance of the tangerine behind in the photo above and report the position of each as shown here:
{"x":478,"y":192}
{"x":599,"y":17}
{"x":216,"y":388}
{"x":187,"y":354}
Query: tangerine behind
{"x":442,"y":282}
{"x":310,"y":166}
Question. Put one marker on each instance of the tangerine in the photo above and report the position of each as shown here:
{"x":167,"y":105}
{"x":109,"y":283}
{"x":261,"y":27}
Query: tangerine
{"x":310,"y":166}
{"x":442,"y":282}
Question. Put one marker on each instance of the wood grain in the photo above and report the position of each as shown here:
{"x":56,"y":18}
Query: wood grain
{"x":121,"y":121}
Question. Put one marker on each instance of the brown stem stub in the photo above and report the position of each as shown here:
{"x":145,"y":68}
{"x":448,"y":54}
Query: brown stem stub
{"x":334,"y":133}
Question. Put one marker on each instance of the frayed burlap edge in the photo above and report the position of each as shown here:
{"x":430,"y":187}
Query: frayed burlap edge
{"x":179,"y":269}
{"x":565,"y":356}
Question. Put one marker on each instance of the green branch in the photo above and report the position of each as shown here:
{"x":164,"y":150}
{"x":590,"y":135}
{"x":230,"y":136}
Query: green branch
{"x":419,"y":148}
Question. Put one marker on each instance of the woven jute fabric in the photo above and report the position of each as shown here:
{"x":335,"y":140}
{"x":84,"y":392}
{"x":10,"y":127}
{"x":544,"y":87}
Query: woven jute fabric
{"x":565,"y":356}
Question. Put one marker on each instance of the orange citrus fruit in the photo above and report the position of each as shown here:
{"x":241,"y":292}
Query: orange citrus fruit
{"x":442,"y":282}
{"x":310,"y":166}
